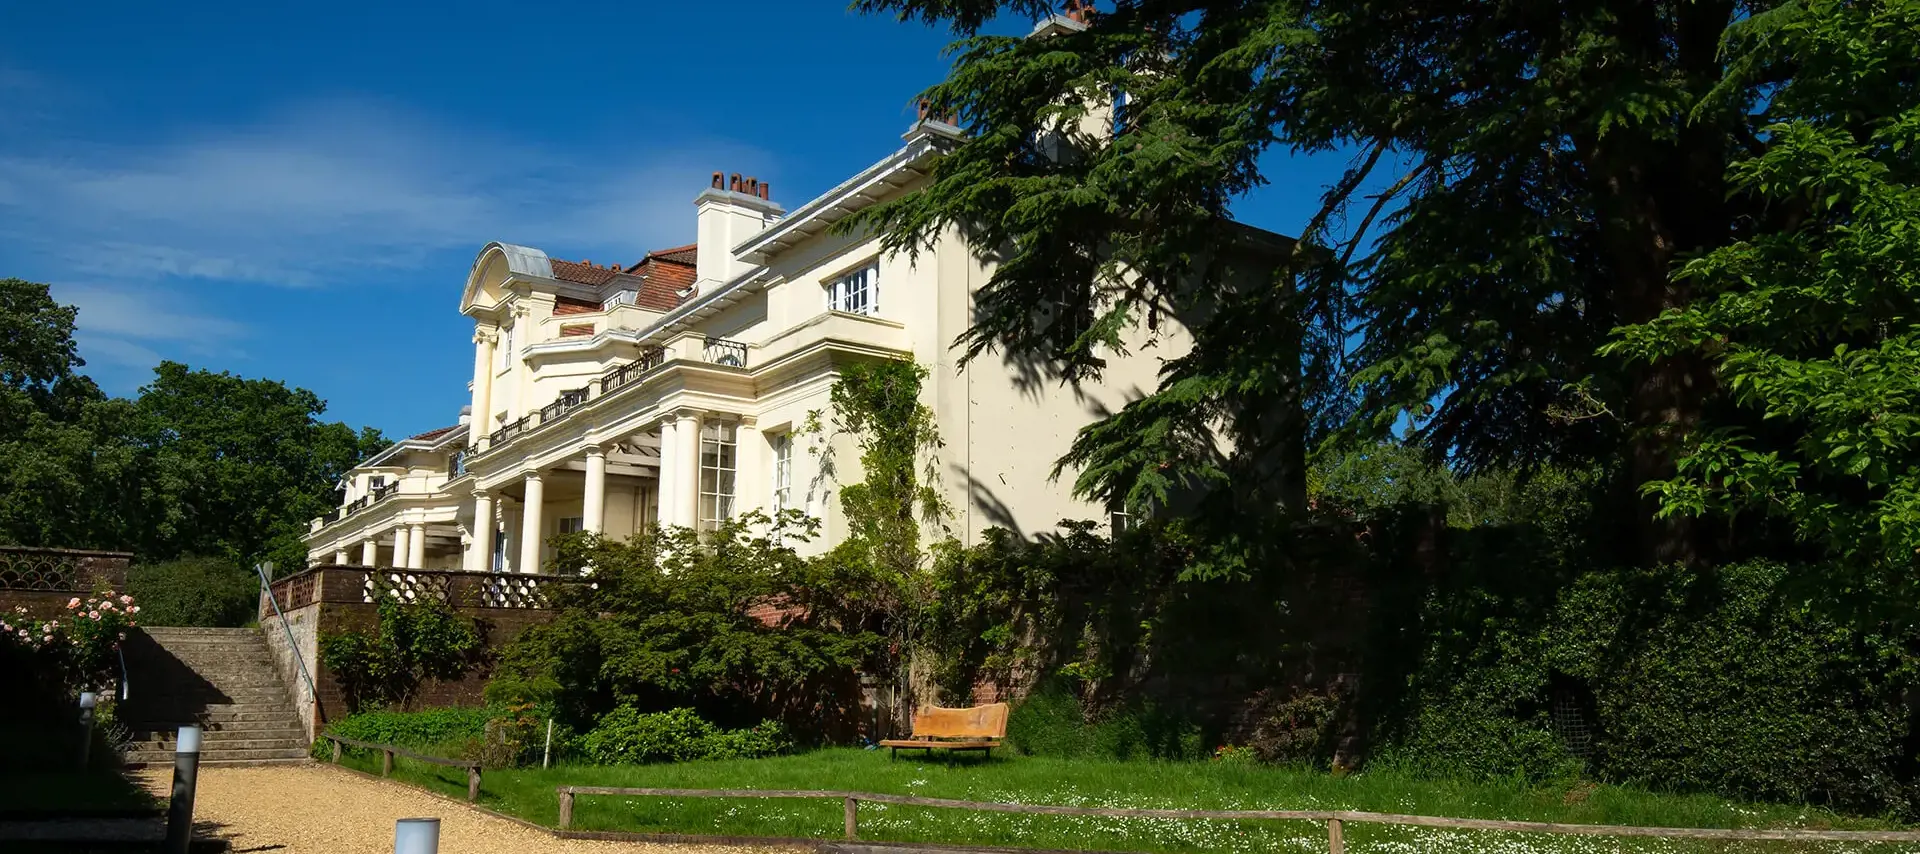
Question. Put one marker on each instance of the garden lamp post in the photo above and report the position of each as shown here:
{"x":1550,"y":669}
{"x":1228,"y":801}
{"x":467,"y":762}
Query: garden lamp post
{"x":186,"y":767}
{"x":416,"y":836}
{"x":88,"y":701}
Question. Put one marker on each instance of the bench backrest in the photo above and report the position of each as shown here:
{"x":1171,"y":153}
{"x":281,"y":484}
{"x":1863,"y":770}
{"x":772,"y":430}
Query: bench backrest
{"x":978,"y":722}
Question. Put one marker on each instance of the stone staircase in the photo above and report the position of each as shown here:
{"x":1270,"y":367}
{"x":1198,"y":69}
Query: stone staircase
{"x":222,"y":679}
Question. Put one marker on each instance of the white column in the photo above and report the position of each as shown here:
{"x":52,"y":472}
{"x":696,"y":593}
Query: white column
{"x":480,"y":548}
{"x":340,"y":557}
{"x":400,"y":547}
{"x":593,"y":506}
{"x":480,"y":423}
{"x":669,"y":468}
{"x":751,"y":482}
{"x":369,"y":552}
{"x":531,"y":538}
{"x":687,"y":486}
{"x":417,"y":548}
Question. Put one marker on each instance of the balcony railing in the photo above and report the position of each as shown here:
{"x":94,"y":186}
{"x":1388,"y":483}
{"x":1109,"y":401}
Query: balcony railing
{"x":720,"y":351}
{"x":716,"y":351}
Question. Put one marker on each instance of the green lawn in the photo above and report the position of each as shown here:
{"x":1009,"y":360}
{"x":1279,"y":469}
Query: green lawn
{"x":529,"y":794}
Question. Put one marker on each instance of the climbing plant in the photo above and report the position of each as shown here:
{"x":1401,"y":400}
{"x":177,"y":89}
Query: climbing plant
{"x":415,"y":642}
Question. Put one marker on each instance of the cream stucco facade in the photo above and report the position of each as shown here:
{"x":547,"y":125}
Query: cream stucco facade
{"x":675,"y":391}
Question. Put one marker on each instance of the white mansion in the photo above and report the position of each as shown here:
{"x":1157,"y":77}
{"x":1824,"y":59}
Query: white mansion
{"x":676,"y":390}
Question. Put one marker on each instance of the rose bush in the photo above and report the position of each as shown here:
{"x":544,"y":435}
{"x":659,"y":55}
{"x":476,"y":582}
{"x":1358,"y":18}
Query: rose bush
{"x":79,"y":649}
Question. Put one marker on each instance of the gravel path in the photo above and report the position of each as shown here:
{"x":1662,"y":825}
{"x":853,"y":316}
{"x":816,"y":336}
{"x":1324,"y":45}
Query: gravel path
{"x":317,"y":809}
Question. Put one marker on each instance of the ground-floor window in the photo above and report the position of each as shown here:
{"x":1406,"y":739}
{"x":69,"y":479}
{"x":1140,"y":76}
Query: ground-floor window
{"x":717,"y":469}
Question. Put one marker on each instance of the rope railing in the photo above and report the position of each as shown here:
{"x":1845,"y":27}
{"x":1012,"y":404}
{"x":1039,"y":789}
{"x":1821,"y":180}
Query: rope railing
{"x":1334,"y":819}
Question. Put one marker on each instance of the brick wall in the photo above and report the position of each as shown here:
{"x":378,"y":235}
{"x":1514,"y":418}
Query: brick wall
{"x":42,"y":580}
{"x":327,"y":599}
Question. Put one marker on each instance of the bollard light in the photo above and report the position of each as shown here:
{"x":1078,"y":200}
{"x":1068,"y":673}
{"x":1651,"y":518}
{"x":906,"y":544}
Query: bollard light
{"x":186,"y":768}
{"x":88,"y":702}
{"x":416,"y":836}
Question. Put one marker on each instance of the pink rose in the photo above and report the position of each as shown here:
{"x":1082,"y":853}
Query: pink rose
{"x":134,"y":610}
{"x":73,"y":603}
{"x":46,"y":639}
{"x":93,"y":615}
{"x":125,"y":599}
{"x":123,"y":635}
{"x":23,"y":634}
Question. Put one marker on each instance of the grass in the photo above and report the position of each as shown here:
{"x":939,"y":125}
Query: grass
{"x":529,"y":794}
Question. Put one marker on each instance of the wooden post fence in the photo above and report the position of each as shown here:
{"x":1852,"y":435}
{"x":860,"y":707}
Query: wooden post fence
{"x":1336,"y":820}
{"x":388,"y":751}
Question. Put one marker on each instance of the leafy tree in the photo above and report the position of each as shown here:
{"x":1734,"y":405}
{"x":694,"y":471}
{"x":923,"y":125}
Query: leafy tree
{"x":199,"y":464}
{"x":1547,"y":169}
{"x":1809,"y":318}
{"x":239,"y":465}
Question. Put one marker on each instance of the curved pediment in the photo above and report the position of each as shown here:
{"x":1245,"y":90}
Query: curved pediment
{"x":486,"y":282}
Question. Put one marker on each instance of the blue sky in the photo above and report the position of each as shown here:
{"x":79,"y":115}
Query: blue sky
{"x":297,"y":192}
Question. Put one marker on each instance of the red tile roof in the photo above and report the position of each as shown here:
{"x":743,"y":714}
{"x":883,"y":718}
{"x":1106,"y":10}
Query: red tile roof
{"x":431,"y":434}
{"x":583,"y":272}
{"x":664,"y":274}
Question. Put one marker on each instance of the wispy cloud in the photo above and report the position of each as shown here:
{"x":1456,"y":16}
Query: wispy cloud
{"x":311,"y":195}
{"x":329,"y":194}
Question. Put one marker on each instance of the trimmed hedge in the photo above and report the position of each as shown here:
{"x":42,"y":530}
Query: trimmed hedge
{"x":625,"y":736}
{"x":428,"y":728}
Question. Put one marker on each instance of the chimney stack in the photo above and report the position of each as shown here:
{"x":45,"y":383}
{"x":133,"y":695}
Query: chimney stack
{"x":729,"y":213}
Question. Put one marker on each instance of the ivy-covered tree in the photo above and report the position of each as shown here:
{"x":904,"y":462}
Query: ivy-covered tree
{"x":1527,"y":178}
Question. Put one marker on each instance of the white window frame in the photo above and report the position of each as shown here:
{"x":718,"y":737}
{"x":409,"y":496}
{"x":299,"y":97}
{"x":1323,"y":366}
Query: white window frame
{"x":505,"y":356}
{"x":782,"y":471}
{"x":572,"y":524}
{"x":855,"y":291}
{"x":719,"y":474}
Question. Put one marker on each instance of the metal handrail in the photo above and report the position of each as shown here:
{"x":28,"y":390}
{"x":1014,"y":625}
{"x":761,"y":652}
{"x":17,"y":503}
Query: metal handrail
{"x":301,"y":660}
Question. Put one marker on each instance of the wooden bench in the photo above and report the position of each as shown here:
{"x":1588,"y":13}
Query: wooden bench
{"x":934,"y":728}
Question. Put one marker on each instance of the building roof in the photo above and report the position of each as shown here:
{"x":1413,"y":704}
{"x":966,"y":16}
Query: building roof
{"x":583,"y":272}
{"x":430,"y":435}
{"x":664,"y":275}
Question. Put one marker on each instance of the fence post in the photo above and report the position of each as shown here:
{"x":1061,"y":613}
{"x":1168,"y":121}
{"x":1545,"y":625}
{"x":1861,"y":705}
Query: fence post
{"x":386,"y":762}
{"x":1336,"y":840}
{"x":566,"y":808}
{"x":853,"y":818}
{"x":473,"y":783}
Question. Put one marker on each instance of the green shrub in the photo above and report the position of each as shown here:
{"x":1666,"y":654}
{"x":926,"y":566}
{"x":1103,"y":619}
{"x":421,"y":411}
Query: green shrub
{"x":415,"y":642}
{"x":627,"y":736}
{"x":194,"y":591}
{"x":429,"y":728}
{"x":1743,"y":681}
{"x":1052,"y":722}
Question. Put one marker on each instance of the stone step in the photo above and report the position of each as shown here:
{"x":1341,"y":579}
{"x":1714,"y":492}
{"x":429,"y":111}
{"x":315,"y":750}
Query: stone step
{"x":263,"y":723}
{"x":230,"y":696}
{"x":213,"y":755}
{"x":229,"y":679}
{"x":167,"y":734}
{"x":195,"y":631}
{"x":211,"y":742}
{"x":219,"y":714}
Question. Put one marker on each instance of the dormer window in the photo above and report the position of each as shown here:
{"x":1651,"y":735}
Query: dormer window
{"x":857,"y":292}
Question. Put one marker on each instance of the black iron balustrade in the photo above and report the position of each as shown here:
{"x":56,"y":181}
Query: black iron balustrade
{"x":628,"y":373}
{"x":720,"y":351}
{"x":457,"y":465}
